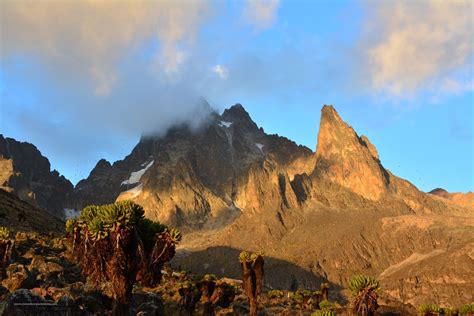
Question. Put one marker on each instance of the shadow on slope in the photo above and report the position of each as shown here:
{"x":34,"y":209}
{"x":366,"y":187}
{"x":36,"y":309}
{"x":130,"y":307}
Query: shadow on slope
{"x":279,"y":274}
{"x":19,"y":215}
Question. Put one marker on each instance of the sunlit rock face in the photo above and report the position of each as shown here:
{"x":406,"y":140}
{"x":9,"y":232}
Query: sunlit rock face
{"x":204,"y":177}
{"x":347,"y":159}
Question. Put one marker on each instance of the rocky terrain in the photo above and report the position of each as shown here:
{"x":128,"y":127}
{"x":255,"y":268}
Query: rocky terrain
{"x":27,"y":174}
{"x":463,"y":199}
{"x":319,"y":216}
{"x":44,"y":279}
{"x":20,"y":215}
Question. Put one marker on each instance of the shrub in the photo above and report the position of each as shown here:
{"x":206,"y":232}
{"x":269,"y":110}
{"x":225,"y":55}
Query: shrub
{"x":117,"y":246}
{"x":364,"y":292}
{"x":327,"y":305}
{"x":466,"y":309}
{"x":190,"y":296}
{"x":324,"y":313}
{"x":429,"y":309}
{"x":252,"y":277}
{"x":324,"y":288}
{"x":4,"y":233}
{"x":223,"y":295}
{"x":207,"y":286}
{"x":6,"y":249}
{"x":275,"y":294}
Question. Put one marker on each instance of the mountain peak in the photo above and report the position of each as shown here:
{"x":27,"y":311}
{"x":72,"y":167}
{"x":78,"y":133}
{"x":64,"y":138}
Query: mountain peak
{"x":329,"y":114}
{"x":237,"y":111}
{"x":347,"y":159}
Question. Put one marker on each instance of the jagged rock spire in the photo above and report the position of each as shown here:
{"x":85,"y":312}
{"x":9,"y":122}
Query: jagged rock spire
{"x":347,"y":159}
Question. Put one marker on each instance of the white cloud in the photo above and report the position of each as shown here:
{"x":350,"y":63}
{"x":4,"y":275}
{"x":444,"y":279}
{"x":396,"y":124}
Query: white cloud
{"x":91,"y":37}
{"x":261,"y":14}
{"x":221,"y":71}
{"x":420,"y":45}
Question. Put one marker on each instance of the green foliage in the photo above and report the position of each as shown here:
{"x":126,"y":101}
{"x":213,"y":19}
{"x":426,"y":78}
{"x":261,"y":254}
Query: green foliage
{"x":96,"y":229}
{"x":360,"y":282}
{"x":447,"y":311}
{"x":244,"y":256}
{"x":249,"y":257}
{"x":185,"y":285}
{"x":100,"y":220}
{"x":149,"y":229}
{"x":324,"y":313}
{"x":327,"y":305}
{"x":70,"y":224}
{"x":275,"y":294}
{"x":466,"y":309}
{"x":4,"y":233}
{"x":304,"y":293}
{"x":209,"y":278}
{"x":297,"y":297}
{"x":134,"y":249}
{"x":88,"y":213}
{"x":175,"y":235}
{"x":429,"y":308}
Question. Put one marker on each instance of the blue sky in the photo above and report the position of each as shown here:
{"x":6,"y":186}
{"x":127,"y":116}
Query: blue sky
{"x":82,"y":87}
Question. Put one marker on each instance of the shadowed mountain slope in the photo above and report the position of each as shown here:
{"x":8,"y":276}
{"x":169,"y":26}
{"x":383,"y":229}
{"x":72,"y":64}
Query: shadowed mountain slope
{"x":25,"y":172}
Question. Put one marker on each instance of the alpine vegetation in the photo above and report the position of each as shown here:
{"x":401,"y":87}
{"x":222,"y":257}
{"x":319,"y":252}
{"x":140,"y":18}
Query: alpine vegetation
{"x":252,"y":277}
{"x":364,"y":292}
{"x":116,"y":246}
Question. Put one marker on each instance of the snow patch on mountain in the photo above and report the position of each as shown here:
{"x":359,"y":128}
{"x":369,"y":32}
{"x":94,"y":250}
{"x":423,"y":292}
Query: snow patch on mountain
{"x":225,"y":124}
{"x":137,"y":175}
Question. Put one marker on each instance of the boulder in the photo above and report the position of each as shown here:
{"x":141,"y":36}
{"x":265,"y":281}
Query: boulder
{"x":18,"y":276}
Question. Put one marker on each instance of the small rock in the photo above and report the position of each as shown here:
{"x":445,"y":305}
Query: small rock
{"x":147,"y":302}
{"x":18,"y":277}
{"x":150,"y":309}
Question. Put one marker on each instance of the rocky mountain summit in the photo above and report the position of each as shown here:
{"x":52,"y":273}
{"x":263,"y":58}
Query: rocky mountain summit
{"x":319,"y":216}
{"x":204,"y":178}
{"x":25,"y":172}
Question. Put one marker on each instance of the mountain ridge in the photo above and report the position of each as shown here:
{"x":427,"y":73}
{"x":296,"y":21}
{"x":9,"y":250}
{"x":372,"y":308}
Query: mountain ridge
{"x":324,"y":215}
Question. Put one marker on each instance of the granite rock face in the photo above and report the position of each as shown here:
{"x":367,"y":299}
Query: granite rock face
{"x":25,"y":172}
{"x":204,"y":178}
{"x":347,"y":159}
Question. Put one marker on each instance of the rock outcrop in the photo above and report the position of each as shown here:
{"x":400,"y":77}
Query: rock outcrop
{"x":462,"y":199}
{"x":27,"y":174}
{"x":347,"y":159}
{"x":205,"y":178}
